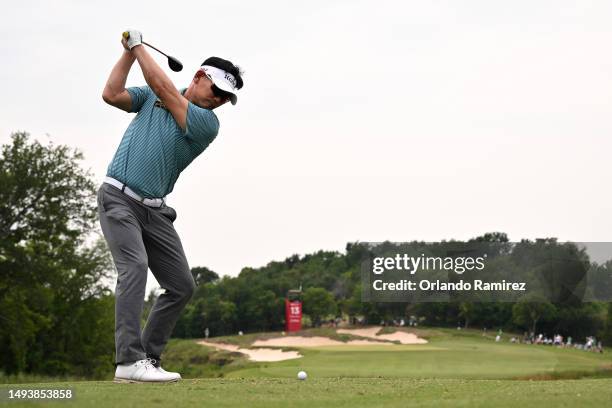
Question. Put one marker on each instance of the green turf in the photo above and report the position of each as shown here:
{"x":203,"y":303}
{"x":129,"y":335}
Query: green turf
{"x":449,"y":355}
{"x":454,"y":369}
{"x":340,"y":392}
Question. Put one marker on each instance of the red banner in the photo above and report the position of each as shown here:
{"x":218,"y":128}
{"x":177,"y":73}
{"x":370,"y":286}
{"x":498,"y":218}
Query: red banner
{"x":293,"y":315}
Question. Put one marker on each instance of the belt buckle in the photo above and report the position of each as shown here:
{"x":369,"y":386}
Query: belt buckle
{"x":153,"y":202}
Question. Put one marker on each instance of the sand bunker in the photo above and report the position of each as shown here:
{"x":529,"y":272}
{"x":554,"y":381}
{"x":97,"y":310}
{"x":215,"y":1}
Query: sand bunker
{"x":263,"y":355}
{"x":269,"y":354}
{"x":315,"y":341}
{"x":370,"y":332}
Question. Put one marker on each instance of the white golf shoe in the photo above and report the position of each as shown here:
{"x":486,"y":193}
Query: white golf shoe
{"x":143,"y":371}
{"x":156,"y":361}
{"x":169,"y":372}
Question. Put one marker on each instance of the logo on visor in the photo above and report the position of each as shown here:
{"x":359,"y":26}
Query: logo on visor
{"x":218,"y":73}
{"x":231,"y":79}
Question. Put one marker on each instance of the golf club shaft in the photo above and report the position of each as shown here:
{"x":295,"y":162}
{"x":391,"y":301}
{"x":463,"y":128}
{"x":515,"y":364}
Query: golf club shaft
{"x":156,"y":49}
{"x":173,"y":63}
{"x":126,"y":35}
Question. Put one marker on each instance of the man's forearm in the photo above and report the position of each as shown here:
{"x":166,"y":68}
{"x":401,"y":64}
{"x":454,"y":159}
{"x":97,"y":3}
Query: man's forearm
{"x":156,"y":78}
{"x":116,"y":80}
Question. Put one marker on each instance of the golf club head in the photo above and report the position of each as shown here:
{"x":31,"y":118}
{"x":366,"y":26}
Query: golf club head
{"x":174,"y":64}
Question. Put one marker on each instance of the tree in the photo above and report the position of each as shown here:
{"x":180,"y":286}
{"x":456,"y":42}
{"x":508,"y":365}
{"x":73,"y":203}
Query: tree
{"x":45,"y":208}
{"x":467,"y":311}
{"x":531,"y":310}
{"x":54,"y":305}
{"x":607,"y":335}
{"x":318,"y":303}
{"x":202,"y":275}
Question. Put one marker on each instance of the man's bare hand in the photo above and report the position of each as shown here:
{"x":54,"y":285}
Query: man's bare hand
{"x":125,"y":44}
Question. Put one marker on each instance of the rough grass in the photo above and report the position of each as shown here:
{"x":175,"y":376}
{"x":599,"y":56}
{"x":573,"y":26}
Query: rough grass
{"x":193,"y":360}
{"x":24,"y":378}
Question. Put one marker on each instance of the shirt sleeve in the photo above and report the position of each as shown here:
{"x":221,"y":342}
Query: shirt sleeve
{"x":202,"y":125}
{"x":139,"y":95}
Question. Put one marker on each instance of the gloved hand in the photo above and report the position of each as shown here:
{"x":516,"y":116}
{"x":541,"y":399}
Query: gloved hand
{"x":133,"y":38}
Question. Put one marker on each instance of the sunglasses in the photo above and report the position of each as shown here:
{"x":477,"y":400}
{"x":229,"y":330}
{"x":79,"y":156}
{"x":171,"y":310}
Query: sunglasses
{"x":218,"y":92}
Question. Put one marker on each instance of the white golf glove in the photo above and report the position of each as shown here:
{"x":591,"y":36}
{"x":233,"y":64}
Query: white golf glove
{"x":133,"y":37}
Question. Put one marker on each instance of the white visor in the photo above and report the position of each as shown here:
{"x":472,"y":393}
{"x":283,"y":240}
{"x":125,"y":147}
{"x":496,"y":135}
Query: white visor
{"x":223,"y":80}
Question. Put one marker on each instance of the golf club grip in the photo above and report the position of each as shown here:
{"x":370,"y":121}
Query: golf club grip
{"x":126,"y":35}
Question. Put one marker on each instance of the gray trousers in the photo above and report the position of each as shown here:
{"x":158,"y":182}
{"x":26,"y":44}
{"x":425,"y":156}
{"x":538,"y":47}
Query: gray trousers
{"x":141,"y":237}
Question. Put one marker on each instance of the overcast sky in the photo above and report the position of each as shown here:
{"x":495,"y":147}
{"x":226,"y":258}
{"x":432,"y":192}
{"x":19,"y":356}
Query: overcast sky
{"x":368,"y":121}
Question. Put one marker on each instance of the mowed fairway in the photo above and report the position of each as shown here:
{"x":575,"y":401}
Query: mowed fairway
{"x":449,"y":355}
{"x":452,"y":370}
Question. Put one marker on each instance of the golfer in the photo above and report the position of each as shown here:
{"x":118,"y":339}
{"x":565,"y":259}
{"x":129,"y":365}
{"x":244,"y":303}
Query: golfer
{"x":171,"y":128}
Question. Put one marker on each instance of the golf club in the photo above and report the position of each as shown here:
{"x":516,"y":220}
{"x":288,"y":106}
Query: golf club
{"x":173,"y":63}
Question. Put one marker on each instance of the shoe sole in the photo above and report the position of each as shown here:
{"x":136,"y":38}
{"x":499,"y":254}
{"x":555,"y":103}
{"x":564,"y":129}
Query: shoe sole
{"x":128,"y":381}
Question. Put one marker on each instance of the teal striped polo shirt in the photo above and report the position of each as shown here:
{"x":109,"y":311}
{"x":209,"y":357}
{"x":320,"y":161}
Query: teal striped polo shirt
{"x":154,"y":149}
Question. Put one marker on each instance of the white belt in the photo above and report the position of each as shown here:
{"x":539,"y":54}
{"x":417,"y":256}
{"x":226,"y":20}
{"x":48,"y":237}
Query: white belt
{"x":151,"y":202}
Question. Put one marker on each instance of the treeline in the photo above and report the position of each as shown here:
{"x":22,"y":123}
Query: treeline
{"x":254,"y":300}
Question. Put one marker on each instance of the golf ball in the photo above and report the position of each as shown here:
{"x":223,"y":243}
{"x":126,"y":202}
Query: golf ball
{"x":302,"y":375}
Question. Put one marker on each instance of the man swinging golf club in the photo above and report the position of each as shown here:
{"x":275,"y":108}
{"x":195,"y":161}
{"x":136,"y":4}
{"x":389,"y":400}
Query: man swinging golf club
{"x":170,"y":130}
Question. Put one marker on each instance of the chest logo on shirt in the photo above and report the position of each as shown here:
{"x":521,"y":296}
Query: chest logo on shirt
{"x":160,"y":104}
